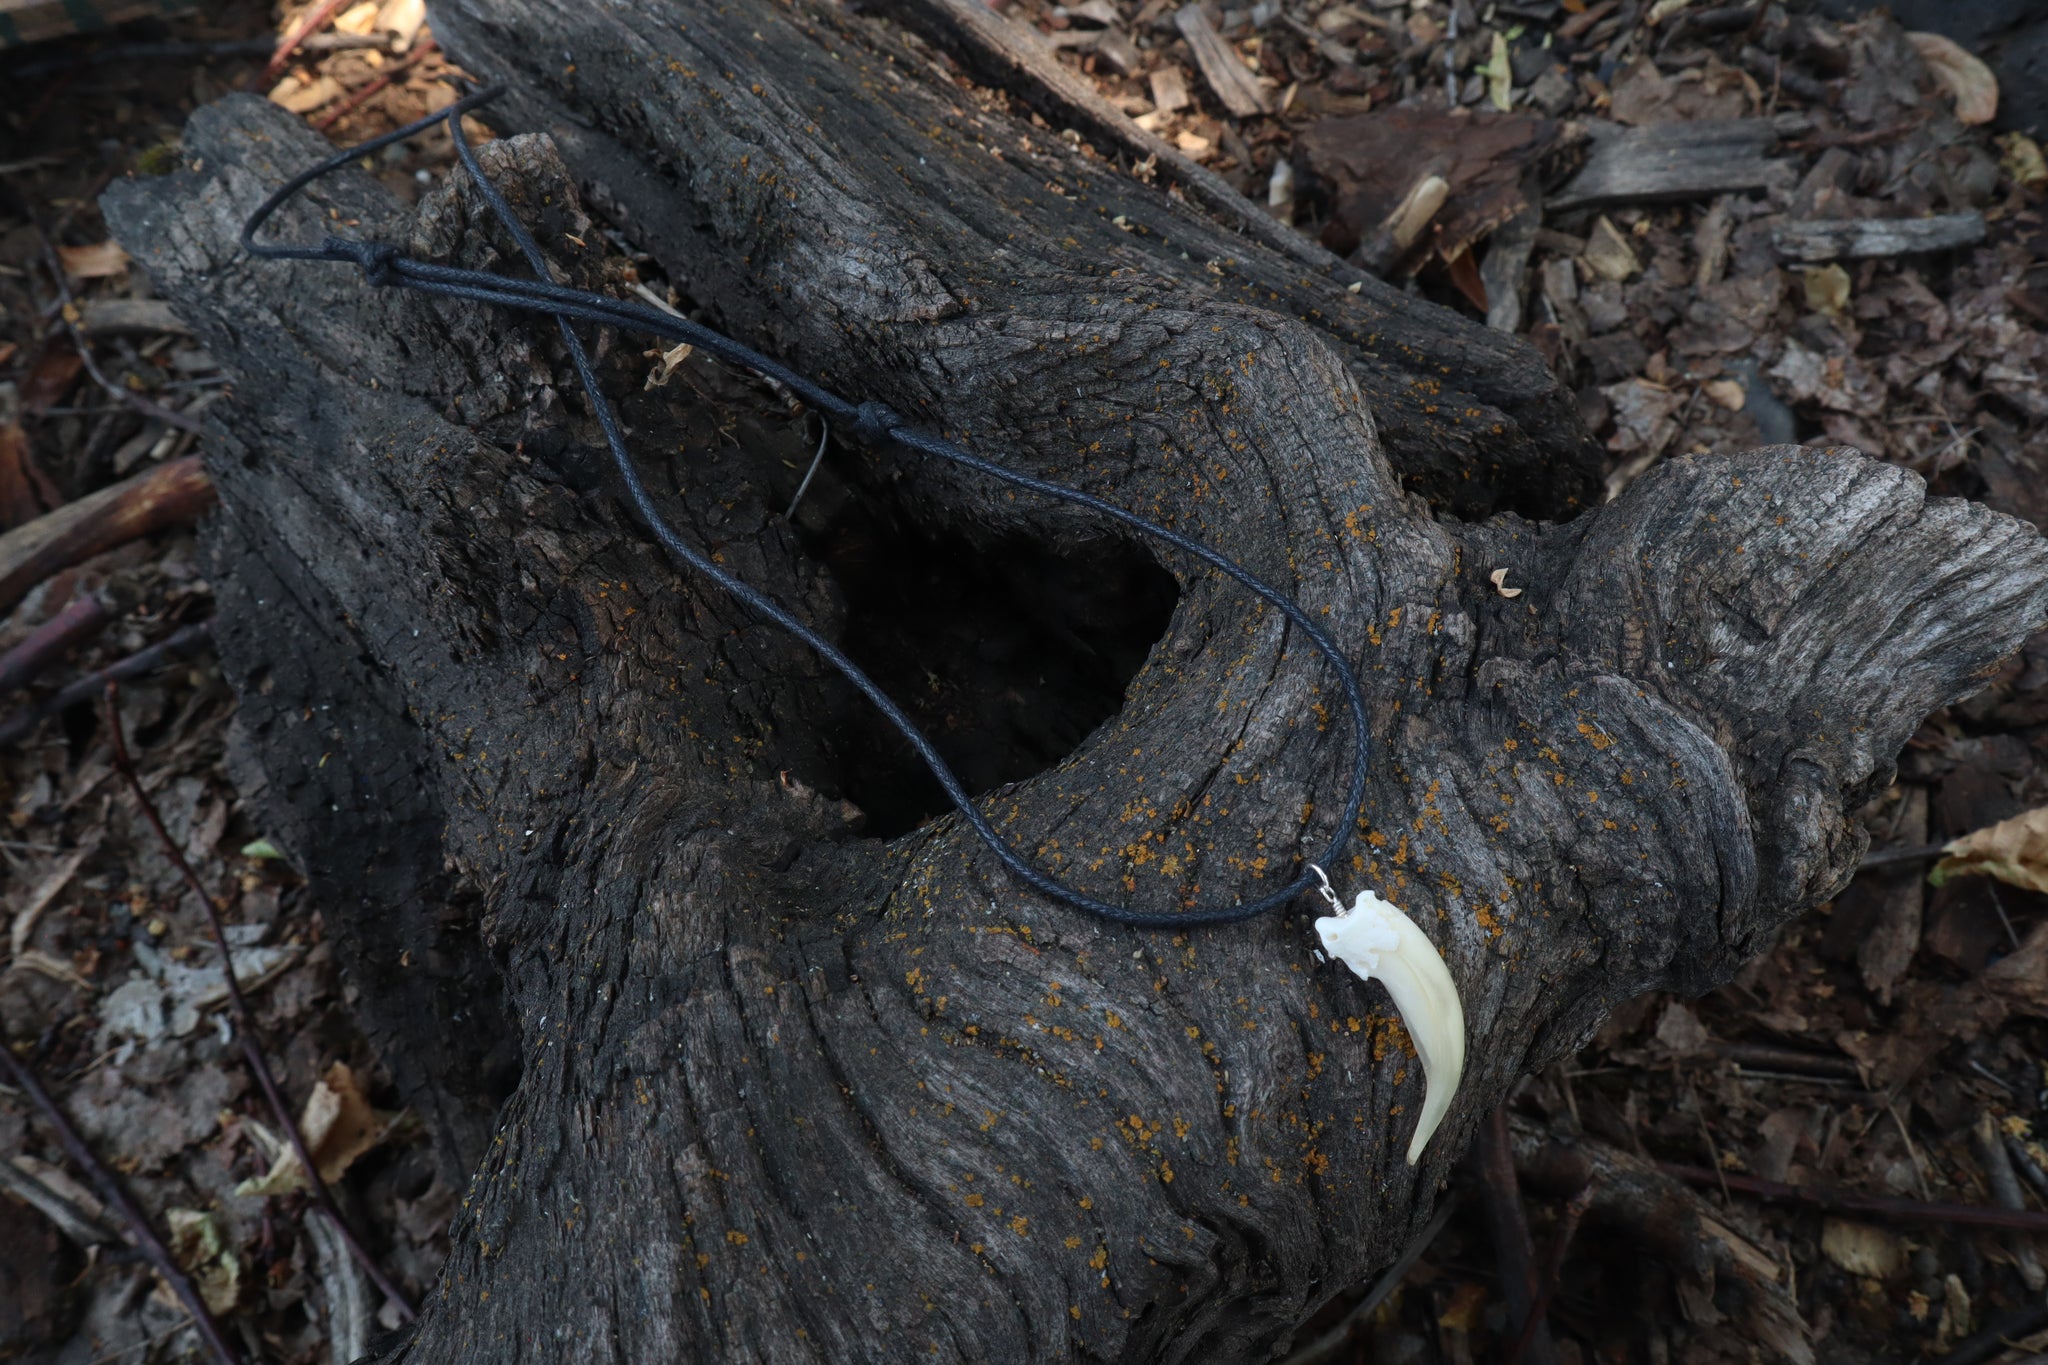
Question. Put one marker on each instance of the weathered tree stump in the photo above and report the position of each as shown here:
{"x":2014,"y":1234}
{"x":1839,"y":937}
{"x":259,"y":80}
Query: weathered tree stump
{"x":775,"y":1088}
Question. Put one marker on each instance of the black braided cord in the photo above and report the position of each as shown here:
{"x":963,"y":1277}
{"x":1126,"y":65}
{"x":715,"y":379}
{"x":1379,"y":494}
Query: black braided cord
{"x":872,"y":424}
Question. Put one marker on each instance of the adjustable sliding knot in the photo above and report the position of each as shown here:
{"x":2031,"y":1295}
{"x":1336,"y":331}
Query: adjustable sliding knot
{"x":875,"y":423}
{"x":374,"y":258}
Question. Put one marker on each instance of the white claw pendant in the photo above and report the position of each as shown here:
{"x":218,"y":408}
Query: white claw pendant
{"x":1377,"y":941}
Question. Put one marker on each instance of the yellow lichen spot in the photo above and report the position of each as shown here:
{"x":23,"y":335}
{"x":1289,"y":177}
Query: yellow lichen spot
{"x":975,"y":1201}
{"x":1021,"y":1225}
{"x":738,"y":1239}
{"x":1099,"y":1259}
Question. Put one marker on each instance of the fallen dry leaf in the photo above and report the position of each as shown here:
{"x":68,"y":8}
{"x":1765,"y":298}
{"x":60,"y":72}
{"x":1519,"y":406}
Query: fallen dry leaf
{"x":202,"y":1252}
{"x":1861,"y":1249}
{"x":1726,"y":393}
{"x":665,"y":363}
{"x":1962,"y":74}
{"x":338,"y":1124}
{"x":2014,"y":851}
{"x":96,"y":262}
{"x":1827,"y":289}
{"x":2022,"y":161}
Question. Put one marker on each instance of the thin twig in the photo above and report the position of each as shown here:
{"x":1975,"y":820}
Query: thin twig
{"x":244,"y":1016}
{"x":1553,"y":1271}
{"x":1918,"y":853}
{"x":116,"y":1194}
{"x":180,"y":642}
{"x":80,"y":620}
{"x":1830,"y":1200}
{"x":314,"y":22}
{"x":149,"y":408}
{"x":1512,"y":1249}
{"x":1333,"y":1345}
{"x":348,"y":106}
{"x":186,"y":52}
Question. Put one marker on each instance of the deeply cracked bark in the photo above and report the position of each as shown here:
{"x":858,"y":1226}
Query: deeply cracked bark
{"x":784,"y":1092}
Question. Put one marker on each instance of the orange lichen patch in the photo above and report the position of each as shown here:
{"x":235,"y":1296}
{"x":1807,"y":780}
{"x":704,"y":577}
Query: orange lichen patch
{"x":1594,"y":736}
{"x":1389,"y":1035}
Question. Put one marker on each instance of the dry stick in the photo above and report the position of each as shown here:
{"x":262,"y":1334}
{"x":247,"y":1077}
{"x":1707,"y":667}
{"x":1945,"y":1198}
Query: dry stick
{"x":116,"y":1194}
{"x":1553,"y":1271}
{"x":1885,"y":857}
{"x":315,"y":21}
{"x":180,"y":642}
{"x":1829,"y":1200}
{"x":169,"y":494}
{"x":348,"y":106}
{"x":1338,"y":1342}
{"x":80,"y":621}
{"x":1511,"y":1235}
{"x":245,"y":1016}
{"x":149,"y":408}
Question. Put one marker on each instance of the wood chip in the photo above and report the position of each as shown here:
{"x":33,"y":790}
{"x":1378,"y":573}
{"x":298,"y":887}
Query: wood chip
{"x":1506,"y":268}
{"x":1609,"y":254}
{"x":1221,"y":66}
{"x":1670,"y":161}
{"x":1833,"y":240}
{"x":101,"y":260}
{"x":403,"y":19}
{"x":105,"y":317}
{"x":1169,"y":90}
{"x":1726,"y":393}
{"x":299,"y":97}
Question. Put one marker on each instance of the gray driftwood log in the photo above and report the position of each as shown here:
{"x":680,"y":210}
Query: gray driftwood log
{"x":775,"y":1088}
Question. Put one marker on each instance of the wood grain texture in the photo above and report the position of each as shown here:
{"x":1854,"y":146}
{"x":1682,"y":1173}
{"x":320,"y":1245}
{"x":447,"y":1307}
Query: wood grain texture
{"x":1671,"y":161}
{"x":1857,"y":239}
{"x":783,"y":1093}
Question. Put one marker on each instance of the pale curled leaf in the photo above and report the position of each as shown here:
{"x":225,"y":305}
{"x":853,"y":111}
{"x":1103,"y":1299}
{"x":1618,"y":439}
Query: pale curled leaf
{"x":1962,"y":74}
{"x":338,"y":1125}
{"x":2014,"y":851}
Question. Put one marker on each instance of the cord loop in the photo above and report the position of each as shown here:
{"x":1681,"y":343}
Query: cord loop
{"x":872,"y":423}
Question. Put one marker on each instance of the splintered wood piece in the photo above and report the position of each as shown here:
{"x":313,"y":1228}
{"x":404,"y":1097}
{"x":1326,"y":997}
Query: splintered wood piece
{"x":1825,"y":240}
{"x":1670,"y":161}
{"x":1221,"y":66}
{"x":165,"y":495}
{"x":104,"y":317}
